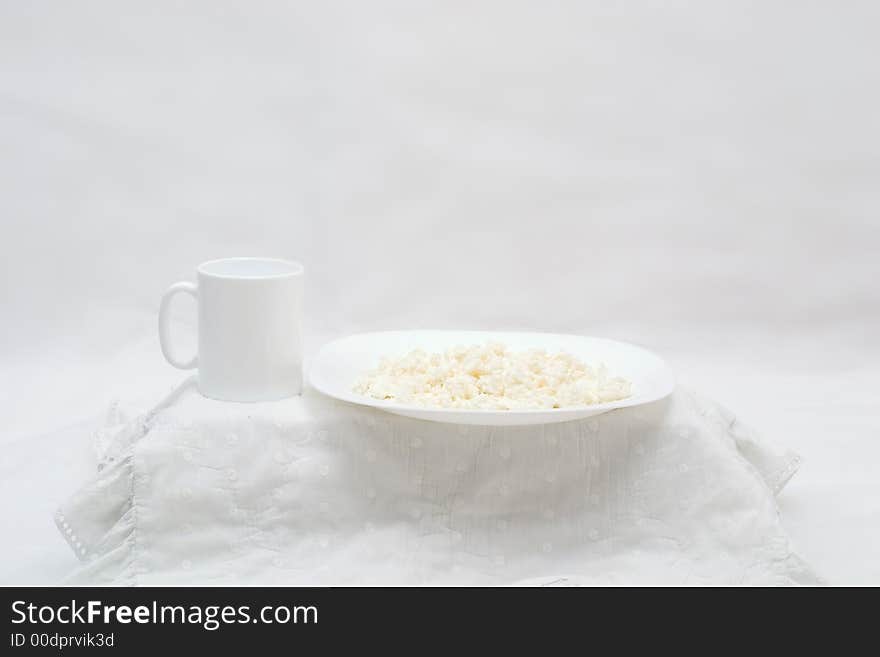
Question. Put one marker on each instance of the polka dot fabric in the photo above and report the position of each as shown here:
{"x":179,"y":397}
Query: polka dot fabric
{"x":312,"y":491}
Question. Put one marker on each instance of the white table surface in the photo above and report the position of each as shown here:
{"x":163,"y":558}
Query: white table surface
{"x":831,"y":508}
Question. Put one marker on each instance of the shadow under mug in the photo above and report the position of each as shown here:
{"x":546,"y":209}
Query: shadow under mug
{"x":250,"y":328}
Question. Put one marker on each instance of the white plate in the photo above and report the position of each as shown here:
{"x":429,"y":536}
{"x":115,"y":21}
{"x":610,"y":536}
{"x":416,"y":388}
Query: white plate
{"x":339,"y":364}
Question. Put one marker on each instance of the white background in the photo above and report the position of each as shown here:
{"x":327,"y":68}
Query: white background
{"x":698,"y":177}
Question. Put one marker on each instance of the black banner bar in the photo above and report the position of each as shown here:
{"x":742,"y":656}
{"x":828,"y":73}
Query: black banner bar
{"x":137,"y":620}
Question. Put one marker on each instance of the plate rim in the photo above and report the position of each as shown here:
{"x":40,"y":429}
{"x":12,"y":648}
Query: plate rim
{"x":391,"y":407}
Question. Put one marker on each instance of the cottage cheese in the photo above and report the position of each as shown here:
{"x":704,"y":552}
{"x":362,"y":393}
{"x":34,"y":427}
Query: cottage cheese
{"x":491,"y":377}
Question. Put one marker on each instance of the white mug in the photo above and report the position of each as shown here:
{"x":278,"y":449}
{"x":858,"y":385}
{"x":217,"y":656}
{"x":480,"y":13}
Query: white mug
{"x":250,"y":328}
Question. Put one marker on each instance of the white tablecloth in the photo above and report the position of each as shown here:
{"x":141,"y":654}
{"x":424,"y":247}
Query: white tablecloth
{"x":310,"y":491}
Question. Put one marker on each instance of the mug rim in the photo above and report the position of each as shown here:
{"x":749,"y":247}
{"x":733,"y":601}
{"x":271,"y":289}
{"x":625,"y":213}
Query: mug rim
{"x":293,"y":268}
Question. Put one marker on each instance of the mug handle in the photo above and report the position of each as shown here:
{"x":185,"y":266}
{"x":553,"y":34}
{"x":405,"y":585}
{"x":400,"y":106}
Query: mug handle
{"x":164,"y":333}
